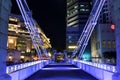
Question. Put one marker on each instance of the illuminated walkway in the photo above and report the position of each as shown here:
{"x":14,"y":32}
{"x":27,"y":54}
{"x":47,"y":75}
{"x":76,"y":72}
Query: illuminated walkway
{"x":61,"y":72}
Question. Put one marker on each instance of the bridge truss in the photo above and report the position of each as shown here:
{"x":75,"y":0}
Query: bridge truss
{"x":89,"y":27}
{"x":31,"y":27}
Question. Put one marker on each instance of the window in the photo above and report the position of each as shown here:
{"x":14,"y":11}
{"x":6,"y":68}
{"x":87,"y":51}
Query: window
{"x":104,"y":44}
{"x":98,"y":45}
{"x":113,"y":44}
{"x":81,"y":5}
{"x":109,"y":44}
{"x":75,"y":6}
{"x":87,"y":9}
{"x":70,"y":41}
{"x":69,"y":37}
{"x":82,"y":9}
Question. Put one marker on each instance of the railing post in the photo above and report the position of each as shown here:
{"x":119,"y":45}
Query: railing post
{"x":5,"y":7}
{"x":116,"y":18}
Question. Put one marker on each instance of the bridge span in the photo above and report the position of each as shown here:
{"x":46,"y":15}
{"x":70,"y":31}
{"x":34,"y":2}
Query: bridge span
{"x":43,"y":69}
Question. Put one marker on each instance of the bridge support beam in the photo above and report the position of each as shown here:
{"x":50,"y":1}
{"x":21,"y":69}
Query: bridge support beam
{"x":5,"y":7}
{"x":116,"y":18}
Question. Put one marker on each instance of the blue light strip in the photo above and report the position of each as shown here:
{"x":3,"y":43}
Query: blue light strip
{"x":105,"y":67}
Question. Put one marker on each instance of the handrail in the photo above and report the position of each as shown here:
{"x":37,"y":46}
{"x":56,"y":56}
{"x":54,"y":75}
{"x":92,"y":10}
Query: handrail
{"x":106,"y":67}
{"x":13,"y":68}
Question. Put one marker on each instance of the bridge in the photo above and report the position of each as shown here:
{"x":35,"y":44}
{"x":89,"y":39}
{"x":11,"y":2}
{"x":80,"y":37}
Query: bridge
{"x":70,"y":69}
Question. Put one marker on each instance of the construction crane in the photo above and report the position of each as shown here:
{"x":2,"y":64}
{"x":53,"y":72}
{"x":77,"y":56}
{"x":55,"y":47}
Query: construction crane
{"x":88,"y":29}
{"x":32,"y":29}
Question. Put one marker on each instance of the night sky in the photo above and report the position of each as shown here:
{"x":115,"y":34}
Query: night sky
{"x":50,"y":15}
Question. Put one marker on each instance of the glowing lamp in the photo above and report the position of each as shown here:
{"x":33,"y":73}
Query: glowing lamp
{"x":112,"y":27}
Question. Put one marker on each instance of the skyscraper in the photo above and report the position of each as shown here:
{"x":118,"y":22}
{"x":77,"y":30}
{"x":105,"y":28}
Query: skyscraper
{"x":77,"y":15}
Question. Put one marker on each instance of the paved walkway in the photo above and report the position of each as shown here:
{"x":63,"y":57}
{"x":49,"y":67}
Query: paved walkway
{"x":61,"y":72}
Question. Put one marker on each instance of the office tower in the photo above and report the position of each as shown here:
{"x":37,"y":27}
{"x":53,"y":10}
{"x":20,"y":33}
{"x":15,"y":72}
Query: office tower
{"x":77,"y":14}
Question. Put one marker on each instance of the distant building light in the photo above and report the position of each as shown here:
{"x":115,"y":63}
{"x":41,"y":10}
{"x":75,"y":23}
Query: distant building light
{"x":10,"y":57}
{"x":22,"y":57}
{"x":49,"y":54}
{"x":81,"y":5}
{"x":75,"y":6}
{"x":28,"y":50}
{"x":11,"y":41}
{"x":82,"y":9}
{"x":112,"y":27}
{"x":13,"y":19}
{"x":72,"y":47}
{"x":22,"y":51}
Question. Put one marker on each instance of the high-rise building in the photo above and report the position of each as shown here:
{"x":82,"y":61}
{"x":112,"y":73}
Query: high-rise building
{"x":77,"y":14}
{"x":103,"y":37}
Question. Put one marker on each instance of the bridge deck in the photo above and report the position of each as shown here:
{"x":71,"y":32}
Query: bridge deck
{"x":61,"y":72}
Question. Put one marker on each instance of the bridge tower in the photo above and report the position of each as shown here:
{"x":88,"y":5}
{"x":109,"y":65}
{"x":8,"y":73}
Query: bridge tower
{"x":5,"y":8}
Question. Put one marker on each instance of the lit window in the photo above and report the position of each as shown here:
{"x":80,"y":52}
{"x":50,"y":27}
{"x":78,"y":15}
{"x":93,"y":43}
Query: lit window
{"x":76,"y":11}
{"x":82,"y":9}
{"x":11,"y":41}
{"x":75,"y":6}
{"x":81,"y":5}
{"x":87,"y":9}
{"x":69,"y":37}
{"x":113,"y":44}
{"x":109,"y":44}
{"x":104,"y":44}
{"x":72,"y":47}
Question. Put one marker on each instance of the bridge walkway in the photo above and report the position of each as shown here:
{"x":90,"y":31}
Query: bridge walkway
{"x":61,"y":71}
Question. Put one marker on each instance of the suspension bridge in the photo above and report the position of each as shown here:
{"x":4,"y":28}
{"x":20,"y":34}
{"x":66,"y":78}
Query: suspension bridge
{"x":70,"y":69}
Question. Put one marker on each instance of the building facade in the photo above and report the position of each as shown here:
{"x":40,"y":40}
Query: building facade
{"x":77,"y":14}
{"x":19,"y":45}
{"x":103,"y":36}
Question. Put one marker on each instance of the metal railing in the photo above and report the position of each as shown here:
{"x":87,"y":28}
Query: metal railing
{"x":106,"y":67}
{"x":13,"y":68}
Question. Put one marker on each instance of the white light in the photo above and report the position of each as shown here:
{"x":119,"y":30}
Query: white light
{"x":11,"y":41}
{"x":72,"y":47}
{"x":22,"y":57}
{"x":10,"y":57}
{"x":49,"y":54}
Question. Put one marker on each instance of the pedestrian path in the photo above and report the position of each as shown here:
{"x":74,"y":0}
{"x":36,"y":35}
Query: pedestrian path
{"x":61,"y":72}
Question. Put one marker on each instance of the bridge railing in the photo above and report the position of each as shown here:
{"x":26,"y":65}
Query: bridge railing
{"x":105,"y":71}
{"x":17,"y":67}
{"x":106,"y":67}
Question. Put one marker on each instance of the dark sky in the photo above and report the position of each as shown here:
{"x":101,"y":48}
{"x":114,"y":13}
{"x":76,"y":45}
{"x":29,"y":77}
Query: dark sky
{"x":50,"y":15}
